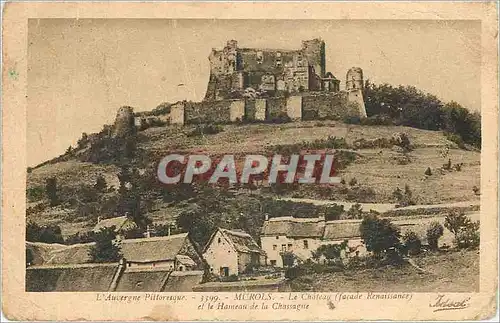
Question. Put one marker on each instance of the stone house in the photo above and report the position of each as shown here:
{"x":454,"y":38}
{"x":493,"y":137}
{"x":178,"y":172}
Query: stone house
{"x":232,"y":252}
{"x":302,"y":236}
{"x":175,"y":252}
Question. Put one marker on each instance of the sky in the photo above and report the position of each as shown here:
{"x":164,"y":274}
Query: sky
{"x":80,"y":71}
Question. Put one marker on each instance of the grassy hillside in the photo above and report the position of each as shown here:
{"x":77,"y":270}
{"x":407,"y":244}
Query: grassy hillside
{"x":376,"y":170}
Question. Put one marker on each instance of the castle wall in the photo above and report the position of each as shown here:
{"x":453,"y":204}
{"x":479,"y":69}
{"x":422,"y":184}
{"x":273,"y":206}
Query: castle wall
{"x":237,"y":110}
{"x":177,"y":114}
{"x":355,"y":98}
{"x":260,"y":109}
{"x":208,"y":112}
{"x":294,"y":107}
{"x":317,"y":106}
{"x":276,"y":107}
{"x":331,"y":106}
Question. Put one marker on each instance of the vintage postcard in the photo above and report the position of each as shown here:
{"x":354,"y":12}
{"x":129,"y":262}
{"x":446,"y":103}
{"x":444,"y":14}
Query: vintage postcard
{"x":250,"y":161}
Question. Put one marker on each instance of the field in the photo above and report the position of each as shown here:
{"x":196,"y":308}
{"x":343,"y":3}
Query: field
{"x":447,"y":271}
{"x":381,"y":170}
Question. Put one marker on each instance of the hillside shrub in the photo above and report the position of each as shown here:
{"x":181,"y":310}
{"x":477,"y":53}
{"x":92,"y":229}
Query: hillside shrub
{"x":404,"y":198}
{"x":331,"y":252}
{"x":360,"y":194}
{"x":45,"y":233}
{"x":35,"y":194}
{"x":51,"y":191}
{"x":412,"y":243}
{"x":377,"y":120}
{"x":205,"y":129}
{"x":409,"y":106}
{"x":162,"y":109}
{"x":105,"y":250}
{"x":331,"y":142}
{"x":466,"y":232}
{"x":355,"y":212}
{"x":334,"y":212}
{"x":434,"y":232}
{"x":379,"y":235}
{"x":428,"y":171}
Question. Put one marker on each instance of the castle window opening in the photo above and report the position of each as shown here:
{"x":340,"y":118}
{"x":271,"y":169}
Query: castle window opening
{"x":275,"y":247}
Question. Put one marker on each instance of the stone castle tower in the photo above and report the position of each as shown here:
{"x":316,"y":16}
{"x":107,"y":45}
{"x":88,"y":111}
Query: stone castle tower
{"x":124,"y":122}
{"x":354,"y":79}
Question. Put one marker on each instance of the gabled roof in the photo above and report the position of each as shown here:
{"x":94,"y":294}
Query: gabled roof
{"x":342,"y":229}
{"x":153,"y":249}
{"x":58,"y":254}
{"x":70,"y":278}
{"x":294,"y":227}
{"x":120,"y":222}
{"x":241,"y":241}
{"x":311,"y":228}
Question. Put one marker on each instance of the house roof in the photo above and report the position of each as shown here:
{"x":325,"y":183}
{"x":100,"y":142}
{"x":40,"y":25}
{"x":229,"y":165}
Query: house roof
{"x":70,"y":278}
{"x":335,"y":230}
{"x":242,"y":241}
{"x":153,"y":249}
{"x":121,"y":223}
{"x":311,"y":228}
{"x":294,"y":227}
{"x":342,"y":229}
{"x":58,"y":254}
{"x":185,"y":260}
{"x":142,"y":280}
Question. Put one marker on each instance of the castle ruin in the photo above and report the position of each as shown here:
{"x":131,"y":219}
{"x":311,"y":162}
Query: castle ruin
{"x":252,"y":84}
{"x":235,"y":70}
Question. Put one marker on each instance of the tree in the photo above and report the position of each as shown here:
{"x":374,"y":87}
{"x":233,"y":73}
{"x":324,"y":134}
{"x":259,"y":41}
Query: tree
{"x":105,"y":249}
{"x":465,"y":231}
{"x":428,"y":171}
{"x":355,"y":212}
{"x":334,"y":212}
{"x":434,"y":232}
{"x":455,"y":221}
{"x":379,"y":235}
{"x":331,"y":252}
{"x":46,"y":234}
{"x":51,"y":190}
{"x":403,"y":198}
{"x":100,"y":183}
{"x":412,"y":243}
{"x":129,"y":197}
{"x":288,"y":258}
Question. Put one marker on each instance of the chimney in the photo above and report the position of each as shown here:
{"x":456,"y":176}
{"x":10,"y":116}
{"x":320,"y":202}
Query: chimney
{"x":98,"y":219}
{"x":266,"y":217}
{"x":168,"y":230}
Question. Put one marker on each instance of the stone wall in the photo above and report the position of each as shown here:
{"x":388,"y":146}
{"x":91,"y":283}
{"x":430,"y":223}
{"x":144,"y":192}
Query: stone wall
{"x":275,"y":108}
{"x":317,"y":106}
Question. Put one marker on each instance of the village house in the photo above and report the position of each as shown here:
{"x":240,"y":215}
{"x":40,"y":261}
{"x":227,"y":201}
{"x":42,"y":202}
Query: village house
{"x":232,"y":252}
{"x":303,"y":236}
{"x":176,"y":252}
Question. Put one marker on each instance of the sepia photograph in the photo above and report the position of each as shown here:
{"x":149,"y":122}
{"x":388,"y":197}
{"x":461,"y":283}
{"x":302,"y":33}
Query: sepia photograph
{"x":255,"y":163}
